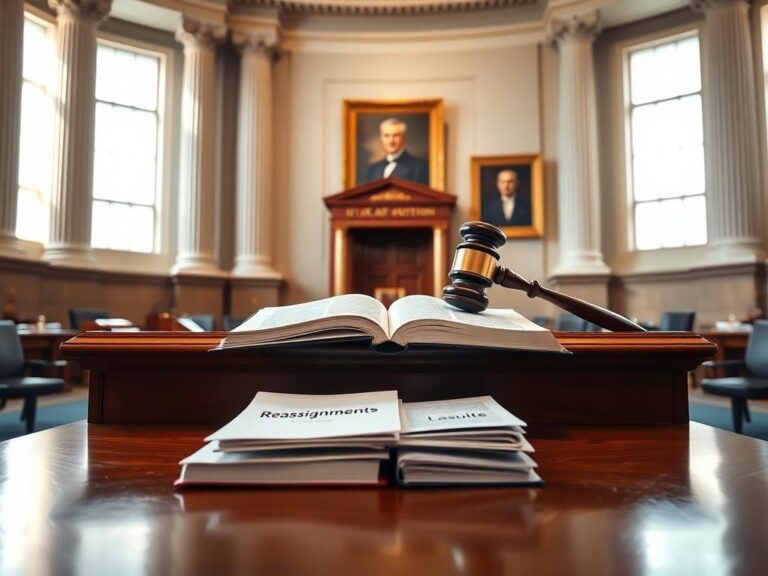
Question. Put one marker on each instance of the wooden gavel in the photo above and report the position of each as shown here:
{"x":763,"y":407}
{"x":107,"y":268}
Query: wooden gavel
{"x":476,"y":268}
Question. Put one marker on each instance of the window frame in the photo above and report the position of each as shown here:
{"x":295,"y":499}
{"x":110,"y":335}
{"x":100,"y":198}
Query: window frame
{"x":616,"y":197}
{"x":47,"y":21}
{"x":629,"y":107}
{"x":164,"y":178}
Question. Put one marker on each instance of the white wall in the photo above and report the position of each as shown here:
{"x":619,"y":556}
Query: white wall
{"x":492,"y":107}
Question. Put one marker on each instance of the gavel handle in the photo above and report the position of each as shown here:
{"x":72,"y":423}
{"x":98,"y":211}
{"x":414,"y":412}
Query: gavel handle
{"x":589,"y":312}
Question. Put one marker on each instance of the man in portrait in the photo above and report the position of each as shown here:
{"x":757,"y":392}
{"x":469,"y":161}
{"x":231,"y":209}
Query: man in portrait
{"x":506,"y":206}
{"x":398,"y":162}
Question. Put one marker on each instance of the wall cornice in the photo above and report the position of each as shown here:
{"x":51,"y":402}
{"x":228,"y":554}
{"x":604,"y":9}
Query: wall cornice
{"x":383,"y":7}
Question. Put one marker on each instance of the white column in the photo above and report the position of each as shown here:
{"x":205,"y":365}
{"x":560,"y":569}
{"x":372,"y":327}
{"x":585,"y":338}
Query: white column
{"x":197,"y":173}
{"x":11,"y":42}
{"x":255,"y":191}
{"x":578,"y":170}
{"x":70,"y":239}
{"x":734,"y":211}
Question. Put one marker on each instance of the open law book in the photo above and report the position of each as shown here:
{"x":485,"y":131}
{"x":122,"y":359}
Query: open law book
{"x":413,"y":319}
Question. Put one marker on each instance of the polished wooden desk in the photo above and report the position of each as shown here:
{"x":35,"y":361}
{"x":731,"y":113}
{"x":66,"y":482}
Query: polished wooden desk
{"x":45,"y":345}
{"x":174,"y":378}
{"x":96,"y":499}
{"x":731,"y":345}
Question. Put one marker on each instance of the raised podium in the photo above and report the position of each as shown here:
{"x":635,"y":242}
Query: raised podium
{"x":176,"y":378}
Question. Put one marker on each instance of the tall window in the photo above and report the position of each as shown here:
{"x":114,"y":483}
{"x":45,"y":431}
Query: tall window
{"x":36,"y":144}
{"x":666,"y":168}
{"x":127,"y":160}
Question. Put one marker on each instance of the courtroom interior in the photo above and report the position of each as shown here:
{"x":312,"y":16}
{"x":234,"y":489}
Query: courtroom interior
{"x":199,"y":176}
{"x":169,"y":168}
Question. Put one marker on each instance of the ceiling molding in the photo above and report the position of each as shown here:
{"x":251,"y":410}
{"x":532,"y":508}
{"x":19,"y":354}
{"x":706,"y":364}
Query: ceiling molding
{"x":382,"y":7}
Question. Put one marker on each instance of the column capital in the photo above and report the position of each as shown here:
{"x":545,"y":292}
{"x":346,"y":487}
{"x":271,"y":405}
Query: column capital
{"x":94,"y":9}
{"x":262,"y":39}
{"x":707,"y":5}
{"x":194,"y":32}
{"x":575,"y":27}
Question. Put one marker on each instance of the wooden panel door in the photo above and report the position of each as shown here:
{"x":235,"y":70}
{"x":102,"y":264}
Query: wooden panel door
{"x":391,"y":258}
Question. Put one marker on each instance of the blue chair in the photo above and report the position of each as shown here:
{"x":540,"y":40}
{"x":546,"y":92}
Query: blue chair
{"x":570,"y":323}
{"x":17,"y":376}
{"x":677,"y":321}
{"x":79,"y":315}
{"x":751,"y":380}
{"x":231,"y":322}
{"x":206,"y":321}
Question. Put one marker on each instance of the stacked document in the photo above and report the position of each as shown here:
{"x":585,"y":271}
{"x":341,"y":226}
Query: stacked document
{"x":357,"y":439}
{"x":466,"y":441}
{"x":298,"y":439}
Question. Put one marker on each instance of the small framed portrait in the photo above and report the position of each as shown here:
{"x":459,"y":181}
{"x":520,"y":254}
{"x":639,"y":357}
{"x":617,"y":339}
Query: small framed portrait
{"x":508,"y":192}
{"x":402,"y":139}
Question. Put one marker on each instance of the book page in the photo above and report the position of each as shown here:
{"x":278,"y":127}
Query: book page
{"x":272,"y":415}
{"x":208,"y":454}
{"x":428,"y":320}
{"x":428,"y":309}
{"x":344,"y":305}
{"x":476,"y":412}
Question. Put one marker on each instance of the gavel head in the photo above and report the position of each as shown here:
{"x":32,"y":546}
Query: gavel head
{"x":474,"y":266}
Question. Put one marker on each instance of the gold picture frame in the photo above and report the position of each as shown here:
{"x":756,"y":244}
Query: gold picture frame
{"x":425,"y":139}
{"x":522,"y":173}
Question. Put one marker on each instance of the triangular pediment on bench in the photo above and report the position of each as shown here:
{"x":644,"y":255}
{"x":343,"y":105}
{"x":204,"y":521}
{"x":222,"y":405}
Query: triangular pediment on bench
{"x":390,"y":192}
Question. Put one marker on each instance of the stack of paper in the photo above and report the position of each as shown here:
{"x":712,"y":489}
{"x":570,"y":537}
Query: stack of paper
{"x":347,"y":439}
{"x":300,"y":439}
{"x":463,"y":441}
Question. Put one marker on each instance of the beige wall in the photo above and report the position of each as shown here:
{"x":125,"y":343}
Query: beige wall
{"x":499,"y":99}
{"x":492,"y":107}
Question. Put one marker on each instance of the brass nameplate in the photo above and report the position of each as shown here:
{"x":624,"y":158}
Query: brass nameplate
{"x":390,"y":195}
{"x":390,"y":212}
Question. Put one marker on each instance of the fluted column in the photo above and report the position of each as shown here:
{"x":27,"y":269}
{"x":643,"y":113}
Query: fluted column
{"x":11,"y":45}
{"x":734,"y":211}
{"x":255,"y":191}
{"x":578,"y":170}
{"x":70,"y":240}
{"x":197,"y":172}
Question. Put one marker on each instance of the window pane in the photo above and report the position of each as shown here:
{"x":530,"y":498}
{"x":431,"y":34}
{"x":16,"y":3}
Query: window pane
{"x":688,"y":66}
{"x":36,"y":139}
{"x":126,"y":149}
{"x":646,"y":177}
{"x":142,"y":223}
{"x":669,"y":225}
{"x":36,"y":133}
{"x":667,"y":170}
{"x":32,"y":220}
{"x":39,"y":59}
{"x":647,"y":216}
{"x":694,"y":220}
{"x":147,"y":71}
{"x":100,"y":226}
{"x":665,"y":71}
{"x":126,"y":77}
{"x":642,"y":76}
{"x":107,"y":72}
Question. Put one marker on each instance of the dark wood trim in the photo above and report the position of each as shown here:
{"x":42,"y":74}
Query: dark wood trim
{"x":175,"y":378}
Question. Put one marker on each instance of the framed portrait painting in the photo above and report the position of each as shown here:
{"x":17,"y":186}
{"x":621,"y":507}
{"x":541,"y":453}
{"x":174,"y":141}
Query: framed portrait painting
{"x":403,"y":139}
{"x":508,"y":192}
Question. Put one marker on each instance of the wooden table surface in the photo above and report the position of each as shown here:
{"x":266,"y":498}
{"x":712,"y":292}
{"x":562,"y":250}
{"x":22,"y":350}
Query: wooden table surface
{"x":96,"y":499}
